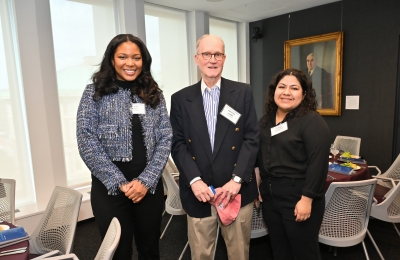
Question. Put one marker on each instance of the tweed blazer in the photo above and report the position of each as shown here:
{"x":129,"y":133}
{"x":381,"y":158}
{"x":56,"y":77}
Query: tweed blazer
{"x":104,"y":135}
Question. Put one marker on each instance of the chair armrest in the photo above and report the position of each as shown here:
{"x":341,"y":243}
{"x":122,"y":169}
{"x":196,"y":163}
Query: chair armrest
{"x":175,"y":175}
{"x":45,"y":256}
{"x":376,"y":168}
{"x":64,"y":257}
{"x":385,"y":179}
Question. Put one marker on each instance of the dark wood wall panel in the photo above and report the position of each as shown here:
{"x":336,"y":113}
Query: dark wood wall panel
{"x":371,"y":37}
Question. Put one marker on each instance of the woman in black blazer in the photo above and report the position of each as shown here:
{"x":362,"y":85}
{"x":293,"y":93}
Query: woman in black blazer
{"x":293,"y":165}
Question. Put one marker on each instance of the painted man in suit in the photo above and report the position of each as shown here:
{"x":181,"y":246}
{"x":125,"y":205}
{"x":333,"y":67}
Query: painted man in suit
{"x":321,"y":82}
{"x":215,"y":142}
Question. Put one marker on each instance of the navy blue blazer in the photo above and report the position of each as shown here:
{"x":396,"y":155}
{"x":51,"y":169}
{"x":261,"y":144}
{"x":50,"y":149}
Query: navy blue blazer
{"x":235,"y":145}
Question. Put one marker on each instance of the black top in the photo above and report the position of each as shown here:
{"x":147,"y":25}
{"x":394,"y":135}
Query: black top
{"x":302,"y":151}
{"x":133,"y":168}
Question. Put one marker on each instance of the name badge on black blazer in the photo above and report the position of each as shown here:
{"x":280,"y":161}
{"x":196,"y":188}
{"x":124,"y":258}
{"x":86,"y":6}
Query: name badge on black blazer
{"x":230,"y":114}
{"x":279,"y":129}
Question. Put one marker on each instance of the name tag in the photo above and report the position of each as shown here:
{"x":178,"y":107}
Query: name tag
{"x":138,"y":108}
{"x":279,"y":129}
{"x":230,"y":114}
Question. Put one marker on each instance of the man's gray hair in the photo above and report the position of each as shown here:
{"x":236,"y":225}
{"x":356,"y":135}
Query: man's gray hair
{"x":212,"y":36}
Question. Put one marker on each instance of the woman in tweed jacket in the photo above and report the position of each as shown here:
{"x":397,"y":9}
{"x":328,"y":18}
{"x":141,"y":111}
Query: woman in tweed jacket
{"x":124,"y":137}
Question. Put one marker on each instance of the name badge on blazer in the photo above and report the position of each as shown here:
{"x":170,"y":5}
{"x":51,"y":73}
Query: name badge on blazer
{"x":138,"y":108}
{"x":230,"y":114}
{"x":279,"y":129}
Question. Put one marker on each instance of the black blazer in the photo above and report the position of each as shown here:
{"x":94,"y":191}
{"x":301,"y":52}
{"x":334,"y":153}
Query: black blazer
{"x":235,"y":146}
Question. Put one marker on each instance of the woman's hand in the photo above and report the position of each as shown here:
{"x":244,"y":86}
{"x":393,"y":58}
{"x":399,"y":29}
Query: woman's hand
{"x":302,"y":211}
{"x":124,"y":188}
{"x":258,"y":179}
{"x":259,"y":196}
{"x":136,"y":191}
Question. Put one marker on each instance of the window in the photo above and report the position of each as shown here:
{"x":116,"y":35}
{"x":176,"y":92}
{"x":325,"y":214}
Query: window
{"x":228,"y":32}
{"x":167,"y":42}
{"x":14,"y":141}
{"x":81,"y":32}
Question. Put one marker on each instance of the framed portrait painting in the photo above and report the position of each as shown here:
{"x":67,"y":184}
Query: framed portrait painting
{"x":320,"y":58}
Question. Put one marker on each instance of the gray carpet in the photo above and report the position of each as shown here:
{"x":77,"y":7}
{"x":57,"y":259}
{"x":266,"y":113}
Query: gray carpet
{"x":87,"y":241}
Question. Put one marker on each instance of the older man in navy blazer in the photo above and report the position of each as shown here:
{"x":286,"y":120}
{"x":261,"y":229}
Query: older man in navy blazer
{"x":215,"y":142}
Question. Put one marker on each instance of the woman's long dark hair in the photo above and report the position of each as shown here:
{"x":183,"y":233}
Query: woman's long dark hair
{"x":309,"y":102}
{"x":144,"y":85}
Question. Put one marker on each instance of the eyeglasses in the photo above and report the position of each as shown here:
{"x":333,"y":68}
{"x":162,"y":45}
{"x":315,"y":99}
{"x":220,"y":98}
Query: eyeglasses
{"x":208,"y":56}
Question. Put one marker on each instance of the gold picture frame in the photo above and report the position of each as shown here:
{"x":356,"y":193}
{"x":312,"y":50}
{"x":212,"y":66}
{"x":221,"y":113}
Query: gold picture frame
{"x":322,"y":56}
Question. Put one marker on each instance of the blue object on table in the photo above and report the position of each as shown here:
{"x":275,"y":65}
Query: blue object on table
{"x":12,"y":233}
{"x":334,"y":167}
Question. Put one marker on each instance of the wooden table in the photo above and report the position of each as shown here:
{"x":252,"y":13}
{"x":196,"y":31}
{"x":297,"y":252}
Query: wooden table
{"x":21,"y":256}
{"x":362,"y":174}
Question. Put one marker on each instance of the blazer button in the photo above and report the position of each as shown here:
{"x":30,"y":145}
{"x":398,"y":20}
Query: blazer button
{"x":194,"y":158}
{"x":236,"y":129}
{"x":233,"y":148}
{"x":234,"y":165}
{"x":189,"y":141}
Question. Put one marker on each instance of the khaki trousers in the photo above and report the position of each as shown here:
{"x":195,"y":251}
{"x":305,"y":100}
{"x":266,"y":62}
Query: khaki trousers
{"x":202,"y":234}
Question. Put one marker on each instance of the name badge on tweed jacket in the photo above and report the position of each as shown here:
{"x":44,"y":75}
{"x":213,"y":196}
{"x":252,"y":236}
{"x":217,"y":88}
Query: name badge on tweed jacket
{"x":138,"y":108}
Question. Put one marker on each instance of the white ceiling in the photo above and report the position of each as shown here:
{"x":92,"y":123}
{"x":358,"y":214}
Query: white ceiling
{"x":242,"y":10}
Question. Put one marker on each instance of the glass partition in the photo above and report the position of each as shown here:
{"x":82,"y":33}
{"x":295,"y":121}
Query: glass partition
{"x":15,"y":158}
{"x":167,"y":42}
{"x":81,"y":32}
{"x":227,"y":30}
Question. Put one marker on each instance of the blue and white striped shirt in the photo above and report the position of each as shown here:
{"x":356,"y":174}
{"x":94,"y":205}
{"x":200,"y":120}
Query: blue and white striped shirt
{"x":210,"y":104}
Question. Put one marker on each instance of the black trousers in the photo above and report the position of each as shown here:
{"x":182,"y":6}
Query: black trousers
{"x":290,"y":239}
{"x":141,"y":221}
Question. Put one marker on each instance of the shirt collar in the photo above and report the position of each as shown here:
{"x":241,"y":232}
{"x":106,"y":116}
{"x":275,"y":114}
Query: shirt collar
{"x":204,"y":86}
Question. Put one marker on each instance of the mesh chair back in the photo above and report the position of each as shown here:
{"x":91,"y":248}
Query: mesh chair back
{"x":171,"y":167}
{"x":389,"y":209}
{"x":110,"y":241}
{"x":348,"y":144}
{"x":347,"y":210}
{"x":7,"y":200}
{"x":258,"y":227}
{"x":57,"y":226}
{"x":394,"y":208}
{"x":173,"y":203}
{"x":393,"y":172}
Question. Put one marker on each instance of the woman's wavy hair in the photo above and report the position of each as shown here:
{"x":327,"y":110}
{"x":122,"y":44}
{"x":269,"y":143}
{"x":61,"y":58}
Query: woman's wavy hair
{"x":144,"y":85}
{"x":309,"y":102}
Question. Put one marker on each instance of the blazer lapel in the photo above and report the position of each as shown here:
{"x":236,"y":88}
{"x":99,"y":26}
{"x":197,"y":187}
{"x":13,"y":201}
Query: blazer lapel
{"x":228,"y":95}
{"x":195,"y":109}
